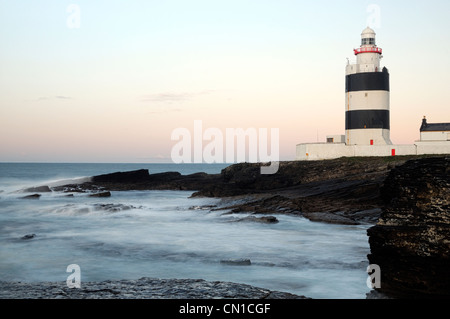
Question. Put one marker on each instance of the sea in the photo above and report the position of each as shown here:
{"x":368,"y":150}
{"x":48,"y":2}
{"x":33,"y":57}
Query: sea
{"x":167,"y":234}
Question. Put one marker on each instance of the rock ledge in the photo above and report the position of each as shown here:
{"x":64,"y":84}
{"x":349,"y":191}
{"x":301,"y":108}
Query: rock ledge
{"x":144,"y":288}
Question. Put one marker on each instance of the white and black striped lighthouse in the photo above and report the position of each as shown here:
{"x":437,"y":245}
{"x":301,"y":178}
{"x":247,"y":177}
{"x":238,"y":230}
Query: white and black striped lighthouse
{"x":367,"y":118}
{"x":367,"y":96}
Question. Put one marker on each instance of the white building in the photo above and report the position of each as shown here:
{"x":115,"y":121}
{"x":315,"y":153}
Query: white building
{"x":433,"y":132}
{"x":367,"y":115}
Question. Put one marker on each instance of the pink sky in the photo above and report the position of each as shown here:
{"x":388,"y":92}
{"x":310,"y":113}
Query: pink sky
{"x":114,"y":89}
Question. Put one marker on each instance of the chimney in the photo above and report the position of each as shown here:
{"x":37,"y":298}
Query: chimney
{"x":424,"y":124}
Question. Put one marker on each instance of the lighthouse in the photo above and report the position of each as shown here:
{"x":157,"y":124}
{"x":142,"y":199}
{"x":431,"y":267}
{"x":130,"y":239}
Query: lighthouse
{"x":367,"y":118}
{"x":367,"y":96}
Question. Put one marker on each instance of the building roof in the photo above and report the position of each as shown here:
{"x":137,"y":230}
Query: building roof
{"x":368,"y":32}
{"x":433,"y":127}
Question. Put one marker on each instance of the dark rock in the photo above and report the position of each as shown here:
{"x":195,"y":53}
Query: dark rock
{"x":39,"y":189}
{"x":329,"y":218}
{"x":376,"y":294}
{"x":236,"y":262}
{"x":103,"y":194}
{"x":203,"y":207}
{"x":143,"y":288}
{"x":71,"y":189}
{"x":142,"y":180}
{"x":347,"y":187}
{"x":112,"y":208}
{"x":34,"y":196}
{"x":245,"y":178}
{"x":264,"y":219}
{"x":123,"y":177}
{"x":411,"y":242}
{"x":29,"y":236}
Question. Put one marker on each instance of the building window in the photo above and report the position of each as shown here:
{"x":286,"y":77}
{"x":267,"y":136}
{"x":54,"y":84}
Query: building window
{"x":330,"y":140}
{"x":367,"y":94}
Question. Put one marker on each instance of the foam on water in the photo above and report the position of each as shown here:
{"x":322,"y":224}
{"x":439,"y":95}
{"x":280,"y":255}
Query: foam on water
{"x":160,"y":234}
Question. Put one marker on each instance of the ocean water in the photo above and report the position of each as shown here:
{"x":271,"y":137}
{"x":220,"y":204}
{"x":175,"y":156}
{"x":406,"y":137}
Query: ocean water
{"x":167,"y":234}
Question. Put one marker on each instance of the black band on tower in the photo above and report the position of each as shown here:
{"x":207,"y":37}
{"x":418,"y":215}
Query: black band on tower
{"x":370,"y":81}
{"x":367,"y":119}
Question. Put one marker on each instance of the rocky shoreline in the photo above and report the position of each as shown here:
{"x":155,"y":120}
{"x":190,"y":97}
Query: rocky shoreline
{"x":411,"y":240}
{"x":143,"y":288}
{"x":405,"y":199}
{"x":342,"y":191}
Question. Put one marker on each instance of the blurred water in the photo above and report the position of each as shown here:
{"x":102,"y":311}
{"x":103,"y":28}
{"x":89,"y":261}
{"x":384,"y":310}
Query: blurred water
{"x":163,"y":234}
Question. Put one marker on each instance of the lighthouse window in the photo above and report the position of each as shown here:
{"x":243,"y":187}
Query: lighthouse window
{"x":368,"y":41}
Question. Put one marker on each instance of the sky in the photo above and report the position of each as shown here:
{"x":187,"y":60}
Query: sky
{"x":109,"y":81}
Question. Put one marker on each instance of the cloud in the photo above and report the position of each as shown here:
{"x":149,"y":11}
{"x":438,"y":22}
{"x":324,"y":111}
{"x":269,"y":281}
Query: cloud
{"x":56,"y":97}
{"x":167,"y":97}
{"x":161,"y":111}
{"x":173,"y":97}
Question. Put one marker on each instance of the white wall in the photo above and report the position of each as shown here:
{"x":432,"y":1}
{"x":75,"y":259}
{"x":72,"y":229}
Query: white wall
{"x":368,"y":62}
{"x":321,"y":151}
{"x":434,"y":136}
{"x":337,"y":138}
{"x":351,"y":69}
{"x":433,"y":147}
{"x":363,"y":136}
{"x":367,"y":100}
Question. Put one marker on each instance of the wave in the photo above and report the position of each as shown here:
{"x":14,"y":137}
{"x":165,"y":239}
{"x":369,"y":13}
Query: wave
{"x":15,"y":186}
{"x":81,"y":209}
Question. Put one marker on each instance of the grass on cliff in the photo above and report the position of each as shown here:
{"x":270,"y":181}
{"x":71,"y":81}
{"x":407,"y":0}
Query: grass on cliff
{"x":387,"y":159}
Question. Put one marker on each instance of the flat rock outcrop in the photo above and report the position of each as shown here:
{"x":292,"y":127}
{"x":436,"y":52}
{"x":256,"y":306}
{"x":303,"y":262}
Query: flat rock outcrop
{"x":411,"y":240}
{"x":143,"y":180}
{"x":34,"y":196}
{"x":101,"y":194}
{"x":144,"y":288}
{"x":38,"y":189}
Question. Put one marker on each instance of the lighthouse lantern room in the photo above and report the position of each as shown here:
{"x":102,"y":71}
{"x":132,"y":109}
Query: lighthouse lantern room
{"x":367,"y":96}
